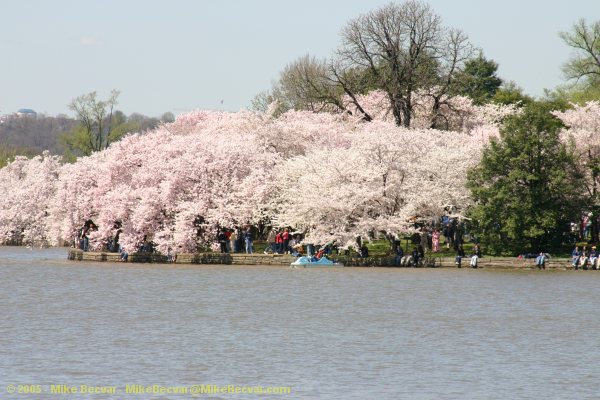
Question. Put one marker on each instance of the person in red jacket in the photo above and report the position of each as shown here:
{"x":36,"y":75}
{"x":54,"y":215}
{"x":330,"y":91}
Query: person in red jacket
{"x":279,"y":243}
{"x":285,"y":236}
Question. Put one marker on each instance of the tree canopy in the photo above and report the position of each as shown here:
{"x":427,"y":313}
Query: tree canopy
{"x":402,"y":49}
{"x":584,"y":38}
{"x":527,"y":188}
{"x":99,"y":124}
{"x":478,"y":80}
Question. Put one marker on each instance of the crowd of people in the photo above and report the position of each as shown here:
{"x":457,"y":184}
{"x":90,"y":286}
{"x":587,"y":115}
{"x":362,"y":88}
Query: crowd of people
{"x":417,"y":256}
{"x":236,"y":240}
{"x":585,"y":259}
{"x":279,"y":241}
{"x":282,"y":241}
{"x":113,"y":245}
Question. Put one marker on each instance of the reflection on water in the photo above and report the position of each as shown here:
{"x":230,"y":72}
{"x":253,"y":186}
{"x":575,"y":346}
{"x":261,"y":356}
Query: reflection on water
{"x":353,"y":333}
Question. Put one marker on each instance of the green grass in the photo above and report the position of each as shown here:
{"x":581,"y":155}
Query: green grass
{"x":378,"y":248}
{"x":381,"y":248}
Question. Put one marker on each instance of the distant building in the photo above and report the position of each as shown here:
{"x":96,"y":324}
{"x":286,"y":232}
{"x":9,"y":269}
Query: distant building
{"x":7,"y":117}
{"x":26,"y":112}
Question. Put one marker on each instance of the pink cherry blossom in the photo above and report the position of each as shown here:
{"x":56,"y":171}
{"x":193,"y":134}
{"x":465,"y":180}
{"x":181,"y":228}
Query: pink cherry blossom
{"x":330,"y":175}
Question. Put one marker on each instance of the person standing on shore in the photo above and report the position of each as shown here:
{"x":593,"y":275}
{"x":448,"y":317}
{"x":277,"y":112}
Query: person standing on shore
{"x":222,"y":238}
{"x":84,"y":241}
{"x":435,"y":240}
{"x":278,"y":243}
{"x":240,"y":240}
{"x":233,"y":240}
{"x":285,"y":236}
{"x":460,"y":254}
{"x":248,"y":239}
{"x":540,"y":261}
{"x":271,"y":240}
{"x":228,"y":245}
{"x":398,"y":253}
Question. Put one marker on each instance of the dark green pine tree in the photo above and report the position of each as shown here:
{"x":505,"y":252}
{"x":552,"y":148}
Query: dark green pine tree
{"x":527,"y":188}
{"x":478,"y":80}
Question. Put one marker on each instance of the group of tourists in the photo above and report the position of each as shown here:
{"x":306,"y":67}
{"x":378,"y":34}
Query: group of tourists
{"x":283,"y":242}
{"x":474,"y":258}
{"x":584,"y":227}
{"x":113,"y":245}
{"x":410,"y":260}
{"x":236,"y":240}
{"x":83,"y":240}
{"x":431,"y":232}
{"x":417,"y":256}
{"x":279,"y":241}
{"x":540,"y":258}
{"x":585,"y":259}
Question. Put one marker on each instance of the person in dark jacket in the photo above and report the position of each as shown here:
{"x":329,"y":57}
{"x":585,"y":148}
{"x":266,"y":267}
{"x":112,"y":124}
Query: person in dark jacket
{"x":416,"y":255}
{"x":399,"y":253}
{"x":364,"y":251}
{"x":540,"y":261}
{"x":222,"y":240}
{"x":248,"y":239}
{"x":460,"y":254}
{"x":576,"y":254}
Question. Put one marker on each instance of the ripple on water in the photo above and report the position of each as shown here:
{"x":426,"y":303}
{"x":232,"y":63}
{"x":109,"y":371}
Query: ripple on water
{"x":349,"y":333}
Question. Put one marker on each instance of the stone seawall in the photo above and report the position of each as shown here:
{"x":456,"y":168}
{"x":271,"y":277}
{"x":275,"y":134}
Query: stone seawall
{"x":187,"y":258}
{"x":285,"y":260}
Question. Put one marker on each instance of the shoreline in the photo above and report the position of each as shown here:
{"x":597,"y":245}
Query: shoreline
{"x":502,"y":263}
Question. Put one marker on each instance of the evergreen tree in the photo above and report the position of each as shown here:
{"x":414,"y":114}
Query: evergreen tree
{"x":527,"y":187}
{"x":478,"y":80}
{"x":510,"y":93}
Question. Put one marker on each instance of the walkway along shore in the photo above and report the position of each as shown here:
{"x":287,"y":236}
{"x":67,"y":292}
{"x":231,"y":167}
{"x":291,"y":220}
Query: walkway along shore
{"x":285,"y":260}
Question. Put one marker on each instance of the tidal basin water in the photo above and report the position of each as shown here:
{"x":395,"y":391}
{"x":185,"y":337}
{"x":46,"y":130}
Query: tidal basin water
{"x":354,"y":333}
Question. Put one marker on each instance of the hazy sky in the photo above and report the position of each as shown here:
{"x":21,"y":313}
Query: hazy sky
{"x":179,"y":55}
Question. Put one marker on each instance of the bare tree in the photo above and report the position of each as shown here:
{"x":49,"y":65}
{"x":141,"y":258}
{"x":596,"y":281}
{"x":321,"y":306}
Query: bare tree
{"x":456,"y":51}
{"x":316,"y":85}
{"x":402,"y":49}
{"x":261,"y":101}
{"x":406,"y":49}
{"x":95,"y":117}
{"x":586,"y":40}
{"x":304,"y":84}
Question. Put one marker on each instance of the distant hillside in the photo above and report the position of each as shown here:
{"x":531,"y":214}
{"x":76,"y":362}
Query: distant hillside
{"x":31,"y":135}
{"x":35,"y":134}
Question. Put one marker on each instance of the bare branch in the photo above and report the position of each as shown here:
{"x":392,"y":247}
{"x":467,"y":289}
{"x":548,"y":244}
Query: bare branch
{"x":586,"y":41}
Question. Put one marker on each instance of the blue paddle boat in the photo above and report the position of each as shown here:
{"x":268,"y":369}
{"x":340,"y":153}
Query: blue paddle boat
{"x":306,"y":262}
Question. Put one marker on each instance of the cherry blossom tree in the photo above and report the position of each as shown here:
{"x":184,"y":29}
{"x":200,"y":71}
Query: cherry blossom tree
{"x":27,"y":187}
{"x":331,"y":175}
{"x":385,"y":178}
{"x":583,"y":132}
{"x":159,"y":184}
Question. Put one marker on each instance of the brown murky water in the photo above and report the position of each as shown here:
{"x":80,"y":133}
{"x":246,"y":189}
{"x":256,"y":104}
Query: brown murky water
{"x":334,"y":334}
